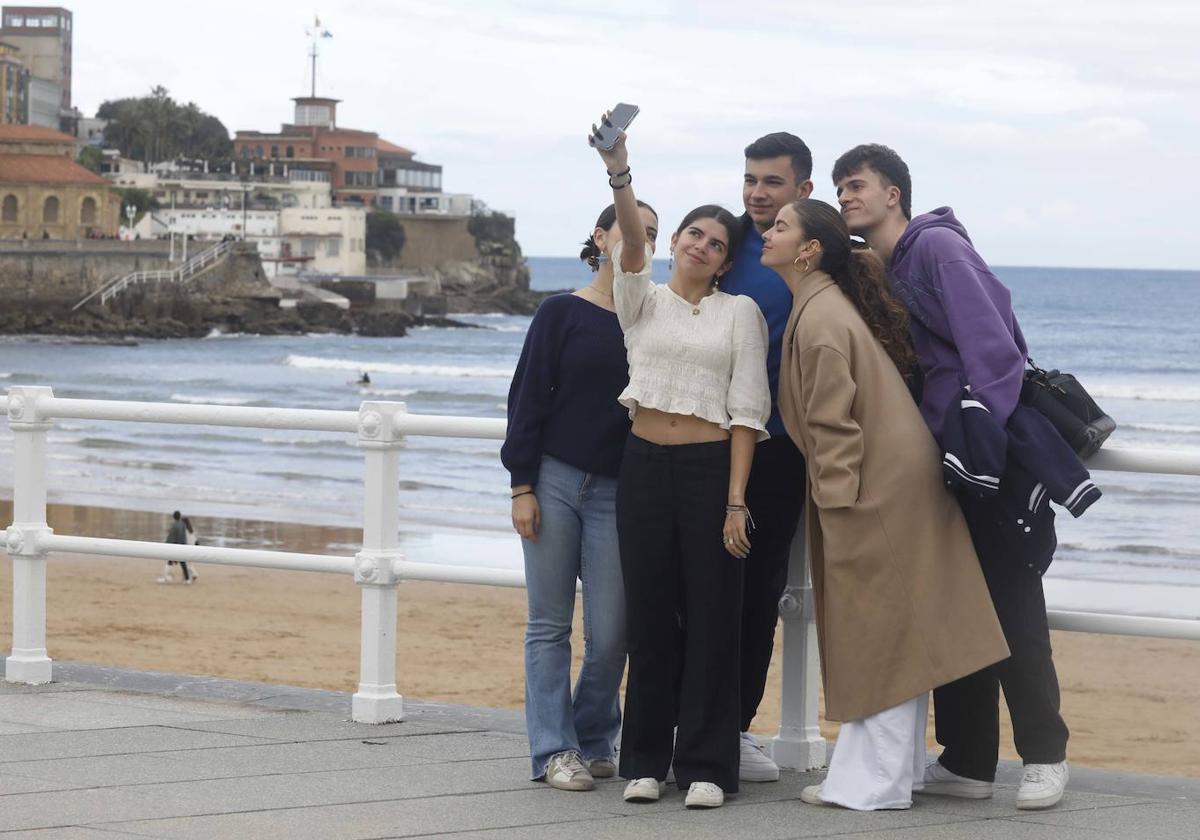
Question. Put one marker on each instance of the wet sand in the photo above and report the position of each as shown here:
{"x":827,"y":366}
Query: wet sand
{"x":1132,"y":704}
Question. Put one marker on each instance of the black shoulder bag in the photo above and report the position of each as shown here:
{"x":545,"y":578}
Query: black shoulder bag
{"x":1070,"y":409}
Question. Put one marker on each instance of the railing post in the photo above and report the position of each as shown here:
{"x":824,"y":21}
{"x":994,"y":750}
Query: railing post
{"x":28,"y":662}
{"x":799,"y":745}
{"x":381,"y":438}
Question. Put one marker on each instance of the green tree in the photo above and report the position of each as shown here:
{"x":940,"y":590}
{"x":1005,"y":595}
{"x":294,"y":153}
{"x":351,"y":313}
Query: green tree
{"x":155,"y":128}
{"x":91,"y":157}
{"x":385,"y":235}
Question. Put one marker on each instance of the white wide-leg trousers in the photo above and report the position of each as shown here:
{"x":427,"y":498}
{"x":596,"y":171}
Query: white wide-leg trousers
{"x":877,"y":759}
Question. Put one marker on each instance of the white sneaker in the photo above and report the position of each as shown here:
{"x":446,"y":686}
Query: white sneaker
{"x":812,"y":795}
{"x":602,"y":768}
{"x":565,"y":771}
{"x":645,"y":789}
{"x":756,"y":765}
{"x":1042,"y":786}
{"x":704,"y":795}
{"x":938,"y":781}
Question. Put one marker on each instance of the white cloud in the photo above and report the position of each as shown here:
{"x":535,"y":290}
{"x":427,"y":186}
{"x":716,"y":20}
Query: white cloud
{"x":987,"y":102}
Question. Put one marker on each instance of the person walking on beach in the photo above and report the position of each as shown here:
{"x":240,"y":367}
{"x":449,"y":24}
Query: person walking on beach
{"x":699,"y":400}
{"x":177,"y":534}
{"x":778,"y":171}
{"x":965,"y":334}
{"x":566,"y":433}
{"x":902,"y":606}
{"x":189,"y":575}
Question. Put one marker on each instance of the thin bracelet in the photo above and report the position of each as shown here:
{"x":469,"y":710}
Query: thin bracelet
{"x":628,"y":181}
{"x":522,"y":493}
{"x":617,"y":174}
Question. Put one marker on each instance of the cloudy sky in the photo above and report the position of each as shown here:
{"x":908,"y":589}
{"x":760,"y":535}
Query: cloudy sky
{"x":1063,"y":133}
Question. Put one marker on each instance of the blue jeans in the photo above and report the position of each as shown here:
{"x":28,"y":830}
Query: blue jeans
{"x":577,"y":539}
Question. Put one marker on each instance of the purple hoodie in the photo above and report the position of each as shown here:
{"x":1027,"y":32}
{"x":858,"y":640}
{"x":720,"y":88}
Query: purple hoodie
{"x":962,"y":324}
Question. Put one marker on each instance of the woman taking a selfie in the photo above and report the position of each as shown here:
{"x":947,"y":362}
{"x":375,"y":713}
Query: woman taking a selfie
{"x":566,"y":433}
{"x":699,"y":401}
{"x":902,"y":606}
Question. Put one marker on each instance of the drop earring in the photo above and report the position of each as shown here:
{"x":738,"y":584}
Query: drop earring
{"x":671,"y":262}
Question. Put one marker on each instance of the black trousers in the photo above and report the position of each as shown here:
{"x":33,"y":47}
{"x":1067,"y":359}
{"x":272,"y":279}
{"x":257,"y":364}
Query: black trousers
{"x":775,"y":496}
{"x":967,"y":711}
{"x":683,"y":594}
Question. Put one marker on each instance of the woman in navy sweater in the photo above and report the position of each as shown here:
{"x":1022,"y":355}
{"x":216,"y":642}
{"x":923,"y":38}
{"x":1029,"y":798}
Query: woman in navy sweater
{"x":566,"y":435}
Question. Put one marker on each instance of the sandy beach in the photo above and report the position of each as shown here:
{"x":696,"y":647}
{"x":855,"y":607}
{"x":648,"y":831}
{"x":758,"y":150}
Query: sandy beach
{"x":1132,"y":704}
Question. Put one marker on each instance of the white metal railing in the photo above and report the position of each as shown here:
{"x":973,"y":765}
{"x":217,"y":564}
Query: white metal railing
{"x":379,"y":567}
{"x":197,"y":264}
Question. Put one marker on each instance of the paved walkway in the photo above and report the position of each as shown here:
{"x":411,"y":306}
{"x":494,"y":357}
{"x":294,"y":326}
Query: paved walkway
{"x":108,"y":754}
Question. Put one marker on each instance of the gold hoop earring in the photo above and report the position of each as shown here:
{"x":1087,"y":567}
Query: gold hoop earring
{"x":796,"y":262}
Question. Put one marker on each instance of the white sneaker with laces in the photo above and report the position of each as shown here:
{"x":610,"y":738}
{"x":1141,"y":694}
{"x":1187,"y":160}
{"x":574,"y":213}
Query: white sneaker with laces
{"x":704,"y":795}
{"x":565,"y":771}
{"x":938,"y":781}
{"x":645,"y":789}
{"x":756,"y":765}
{"x":1042,"y":786}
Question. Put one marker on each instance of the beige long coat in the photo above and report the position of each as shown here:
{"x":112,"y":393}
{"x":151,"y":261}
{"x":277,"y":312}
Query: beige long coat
{"x":902,"y":606}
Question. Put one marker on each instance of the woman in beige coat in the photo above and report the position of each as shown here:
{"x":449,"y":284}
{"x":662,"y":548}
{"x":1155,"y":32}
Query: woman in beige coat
{"x":902,"y":606}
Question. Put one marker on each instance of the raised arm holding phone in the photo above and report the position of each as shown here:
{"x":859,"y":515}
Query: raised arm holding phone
{"x":699,"y":400}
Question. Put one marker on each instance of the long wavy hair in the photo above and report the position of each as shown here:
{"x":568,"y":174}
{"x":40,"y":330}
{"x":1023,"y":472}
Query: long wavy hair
{"x":860,"y":274}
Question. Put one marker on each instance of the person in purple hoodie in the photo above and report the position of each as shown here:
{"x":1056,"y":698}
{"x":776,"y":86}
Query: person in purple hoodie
{"x":965,"y":334}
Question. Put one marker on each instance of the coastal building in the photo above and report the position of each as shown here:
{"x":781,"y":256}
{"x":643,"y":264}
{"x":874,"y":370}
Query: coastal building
{"x":14,"y":86}
{"x":45,"y":194}
{"x":42,"y":35}
{"x":362,"y":168}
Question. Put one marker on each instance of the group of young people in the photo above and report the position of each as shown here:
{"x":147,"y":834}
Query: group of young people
{"x":664,"y":441}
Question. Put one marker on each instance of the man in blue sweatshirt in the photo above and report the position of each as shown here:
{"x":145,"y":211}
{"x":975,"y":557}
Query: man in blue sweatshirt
{"x":778,"y":171}
{"x":965,"y":334}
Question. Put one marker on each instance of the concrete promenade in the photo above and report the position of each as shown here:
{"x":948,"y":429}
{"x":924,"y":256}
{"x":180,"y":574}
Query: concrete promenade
{"x":107,"y":754}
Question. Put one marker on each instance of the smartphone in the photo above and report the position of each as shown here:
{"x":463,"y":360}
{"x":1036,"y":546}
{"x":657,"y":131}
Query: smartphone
{"x":621,"y":117}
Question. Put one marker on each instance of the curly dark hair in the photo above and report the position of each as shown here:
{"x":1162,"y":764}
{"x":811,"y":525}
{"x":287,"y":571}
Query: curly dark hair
{"x":860,"y":274}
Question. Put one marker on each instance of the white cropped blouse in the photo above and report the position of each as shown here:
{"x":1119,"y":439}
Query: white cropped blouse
{"x":707,"y":359}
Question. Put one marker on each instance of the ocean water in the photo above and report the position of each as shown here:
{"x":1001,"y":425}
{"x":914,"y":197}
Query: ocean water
{"x":1132,"y":337}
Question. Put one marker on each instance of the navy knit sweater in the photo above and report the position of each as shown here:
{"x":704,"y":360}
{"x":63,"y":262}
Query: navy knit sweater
{"x":563,"y":398}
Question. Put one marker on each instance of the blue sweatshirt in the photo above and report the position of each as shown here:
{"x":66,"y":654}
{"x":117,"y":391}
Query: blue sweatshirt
{"x":963,"y":328}
{"x":563,"y":397}
{"x":750,"y":277}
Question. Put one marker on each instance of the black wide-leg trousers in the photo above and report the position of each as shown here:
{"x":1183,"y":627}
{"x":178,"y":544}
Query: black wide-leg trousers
{"x":775,"y":496}
{"x":966,"y":711}
{"x":683,"y":594}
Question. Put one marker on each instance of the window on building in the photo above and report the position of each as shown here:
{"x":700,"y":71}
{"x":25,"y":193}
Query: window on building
{"x":291,"y":151}
{"x":274,"y":151}
{"x":258,"y":151}
{"x":245,"y":152}
{"x":87,"y":211}
{"x":34,"y":23}
{"x":9,"y":213}
{"x":16,"y":20}
{"x":308,"y":247}
{"x":50,"y":211}
{"x":333,"y":247}
{"x":385,"y":202}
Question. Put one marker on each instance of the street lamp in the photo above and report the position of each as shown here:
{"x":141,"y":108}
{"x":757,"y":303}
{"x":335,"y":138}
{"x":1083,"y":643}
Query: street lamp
{"x":130,"y":212}
{"x":245,"y":195}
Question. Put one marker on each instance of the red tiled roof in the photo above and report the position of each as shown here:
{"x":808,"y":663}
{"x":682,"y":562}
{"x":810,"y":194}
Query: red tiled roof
{"x":387,"y":148}
{"x":33,"y":132}
{"x":46,"y":169}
